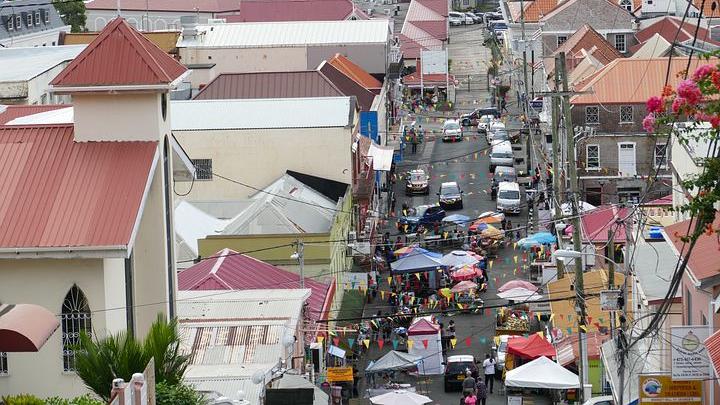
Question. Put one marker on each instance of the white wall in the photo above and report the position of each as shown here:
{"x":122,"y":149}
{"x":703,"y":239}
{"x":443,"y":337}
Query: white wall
{"x":35,"y":39}
{"x":659,"y":7}
{"x":114,"y":287}
{"x":259,"y":157}
{"x":119,"y":117}
{"x":682,"y":164}
{"x":235,"y":60}
{"x":32,"y":91}
{"x":45,"y":282}
{"x":98,"y":19}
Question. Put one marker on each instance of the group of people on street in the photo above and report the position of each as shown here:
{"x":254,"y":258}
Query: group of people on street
{"x":414,"y":136}
{"x":475,"y":389}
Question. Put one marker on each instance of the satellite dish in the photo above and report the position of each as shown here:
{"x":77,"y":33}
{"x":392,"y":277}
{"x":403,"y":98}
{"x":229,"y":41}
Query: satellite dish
{"x":258,"y":378}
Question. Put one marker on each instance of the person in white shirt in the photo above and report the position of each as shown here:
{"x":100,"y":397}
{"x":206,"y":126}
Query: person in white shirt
{"x":489,"y":366}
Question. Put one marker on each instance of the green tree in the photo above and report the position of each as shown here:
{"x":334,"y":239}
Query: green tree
{"x":99,"y":361}
{"x":72,"y":13}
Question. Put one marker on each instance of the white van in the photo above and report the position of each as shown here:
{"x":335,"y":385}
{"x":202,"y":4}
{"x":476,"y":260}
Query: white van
{"x":455,"y":18}
{"x":508,"y":198}
{"x":501,"y":154}
{"x":494,"y":126}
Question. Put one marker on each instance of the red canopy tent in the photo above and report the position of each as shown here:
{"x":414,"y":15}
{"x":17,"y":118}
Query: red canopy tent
{"x":531,"y":348}
{"x":423,"y":327}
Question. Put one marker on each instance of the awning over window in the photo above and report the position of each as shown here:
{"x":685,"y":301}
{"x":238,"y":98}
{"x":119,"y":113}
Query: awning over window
{"x":25,"y":327}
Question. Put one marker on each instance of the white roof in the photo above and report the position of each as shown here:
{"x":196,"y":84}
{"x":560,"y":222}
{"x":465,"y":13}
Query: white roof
{"x":542,"y":373}
{"x":21,"y":64}
{"x":59,"y":116}
{"x":195,"y":224}
{"x":288,"y":34}
{"x":507,"y":185}
{"x":255,"y":305}
{"x":311,"y":112}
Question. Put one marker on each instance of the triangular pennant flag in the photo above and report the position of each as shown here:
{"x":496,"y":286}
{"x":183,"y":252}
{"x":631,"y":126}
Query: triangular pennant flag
{"x":336,"y":341}
{"x":584,"y":328}
{"x":395,"y":344}
{"x":382,"y":295}
{"x":425,"y":343}
{"x":320,"y":339}
{"x":538,"y":315}
{"x":483,"y":339}
{"x":418,"y":276}
{"x":515,"y":258}
{"x":468,"y":341}
{"x":351,"y":342}
{"x":453,"y":342}
{"x":410,"y":344}
{"x":490,"y":264}
{"x":366,"y":342}
{"x":389,"y":280}
{"x":381,"y":343}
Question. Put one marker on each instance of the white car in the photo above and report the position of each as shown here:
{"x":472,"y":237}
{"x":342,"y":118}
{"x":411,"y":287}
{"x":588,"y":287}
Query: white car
{"x":452,"y":131}
{"x":484,"y":122}
{"x":603,"y":400}
{"x":468,"y":19}
{"x":500,"y":349}
{"x":492,"y":127}
{"x":455,"y":18}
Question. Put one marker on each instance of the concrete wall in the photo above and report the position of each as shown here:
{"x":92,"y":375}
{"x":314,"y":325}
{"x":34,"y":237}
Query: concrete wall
{"x":683,"y":166}
{"x":36,"y":39}
{"x":371,"y":57}
{"x":261,"y":156}
{"x":119,"y":117}
{"x":45,"y":282}
{"x":158,"y":21}
{"x":235,"y":60}
{"x":33,"y":91}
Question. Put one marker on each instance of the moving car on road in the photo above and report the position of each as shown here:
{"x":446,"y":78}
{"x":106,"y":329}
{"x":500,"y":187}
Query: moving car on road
{"x":473,"y":117}
{"x":421,"y":215}
{"x":484,"y":123}
{"x":456,"y":369}
{"x":501,"y":154}
{"x":452,"y":131}
{"x":508,"y":198}
{"x":417,"y":182}
{"x":494,"y":126}
{"x":450,"y":196}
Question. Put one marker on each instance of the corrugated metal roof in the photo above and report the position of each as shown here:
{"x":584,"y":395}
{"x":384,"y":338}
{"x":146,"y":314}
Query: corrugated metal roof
{"x":21,"y":64}
{"x":269,"y":85}
{"x":655,"y":47}
{"x":229,"y":270}
{"x":194,"y":6}
{"x":355,"y":72}
{"x":260,"y":306}
{"x":293,"y":10}
{"x":596,"y":223}
{"x":192,"y":224}
{"x":11,"y":112}
{"x":440,"y":7}
{"x":120,"y":56}
{"x":63,"y":115}
{"x":314,"y":112}
{"x":288,"y":34}
{"x":703,"y":262}
{"x":654,"y":265}
{"x":633,"y":81}
{"x":60,"y":193}
{"x":348,"y":86}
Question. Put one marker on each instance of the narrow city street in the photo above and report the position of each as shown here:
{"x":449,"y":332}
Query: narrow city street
{"x":466,"y":163}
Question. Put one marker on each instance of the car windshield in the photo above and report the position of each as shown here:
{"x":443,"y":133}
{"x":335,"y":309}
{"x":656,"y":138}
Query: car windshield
{"x":500,"y":136}
{"x":459,"y":367}
{"x":452,"y":125}
{"x":450,"y":189}
{"x":509,"y":195}
{"x":502,"y":155}
{"x":417,"y":177}
{"x":420,"y":211}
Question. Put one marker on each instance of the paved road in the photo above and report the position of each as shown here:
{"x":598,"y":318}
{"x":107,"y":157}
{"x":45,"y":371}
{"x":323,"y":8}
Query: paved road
{"x":459,"y":162}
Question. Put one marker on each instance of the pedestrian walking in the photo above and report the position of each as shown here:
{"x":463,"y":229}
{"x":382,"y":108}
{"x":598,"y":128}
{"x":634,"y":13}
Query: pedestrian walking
{"x":470,"y":399}
{"x":489,"y":369}
{"x":468,"y":384}
{"x":481,"y":391}
{"x":392,"y":203}
{"x":414,"y":141}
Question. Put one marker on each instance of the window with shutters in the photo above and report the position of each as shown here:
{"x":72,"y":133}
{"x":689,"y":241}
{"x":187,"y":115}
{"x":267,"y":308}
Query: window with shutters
{"x":203,"y":169}
{"x":592,"y":114}
{"x":592,"y":157}
{"x":11,"y":23}
{"x":18,"y":22}
{"x":37,"y":18}
{"x":626,"y":114}
{"x":29,"y":19}
{"x":47,"y":16}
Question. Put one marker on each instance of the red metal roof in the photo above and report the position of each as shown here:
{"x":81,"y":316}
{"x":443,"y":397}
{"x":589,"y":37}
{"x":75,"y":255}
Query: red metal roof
{"x":202,"y":6}
{"x":596,"y":223}
{"x":712,"y":344}
{"x":355,"y":72}
{"x":269,"y":85}
{"x":229,"y":270}
{"x":438,"y":6}
{"x":11,"y":112}
{"x":668,"y":27}
{"x":294,"y":10}
{"x":60,"y":193}
{"x":667,"y":200}
{"x":703,"y":262}
{"x":120,"y":56}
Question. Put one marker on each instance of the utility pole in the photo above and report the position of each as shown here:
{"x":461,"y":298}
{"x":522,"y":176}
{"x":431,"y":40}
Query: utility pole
{"x":299,"y":255}
{"x":611,"y":277}
{"x":577,"y":244}
{"x":557,"y":185}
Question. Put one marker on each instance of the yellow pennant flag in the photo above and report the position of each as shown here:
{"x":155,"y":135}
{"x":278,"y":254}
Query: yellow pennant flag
{"x":514,"y":244}
{"x":584,"y":328}
{"x":405,"y":228}
{"x":490,"y":264}
{"x":515,"y":258}
{"x":542,"y":335}
{"x":538,"y":315}
{"x":320,"y":339}
{"x":551,"y":317}
{"x":389,"y":280}
{"x":453,"y":342}
{"x":418,"y":276}
{"x":382,"y":295}
{"x":410,"y":344}
{"x":366,"y":342}
{"x":459,"y":306}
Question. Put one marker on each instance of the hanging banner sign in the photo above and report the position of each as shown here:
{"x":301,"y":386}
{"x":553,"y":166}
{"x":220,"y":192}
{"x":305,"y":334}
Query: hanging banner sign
{"x":690,"y":359}
{"x":662,"y":389}
{"x":339,"y":374}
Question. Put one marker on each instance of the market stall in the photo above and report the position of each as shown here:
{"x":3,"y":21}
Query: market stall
{"x":426,"y":344}
{"x":420,"y":262}
{"x":542,"y":373}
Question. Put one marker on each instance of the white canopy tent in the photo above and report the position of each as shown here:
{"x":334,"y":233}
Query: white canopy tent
{"x":394,"y":360}
{"x":542,"y":373}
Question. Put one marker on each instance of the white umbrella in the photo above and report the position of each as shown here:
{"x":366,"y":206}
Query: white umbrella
{"x":458,"y":258}
{"x":582,"y":207}
{"x":519,"y":294}
{"x":400,"y":397}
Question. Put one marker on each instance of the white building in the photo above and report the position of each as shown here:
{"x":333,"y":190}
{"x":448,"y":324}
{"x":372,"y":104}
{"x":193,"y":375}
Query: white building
{"x":28,"y":23}
{"x":687,"y":160}
{"x":286,"y":46}
{"x":27,"y":72}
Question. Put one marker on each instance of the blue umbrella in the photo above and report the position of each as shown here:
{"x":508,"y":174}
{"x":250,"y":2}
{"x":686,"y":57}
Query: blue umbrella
{"x":545,"y":238}
{"x":527,"y":243}
{"x":420,"y":251}
{"x":457,"y":219}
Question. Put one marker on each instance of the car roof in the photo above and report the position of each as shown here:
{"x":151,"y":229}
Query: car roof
{"x":451,"y":122}
{"x":417,"y":171}
{"x":502,"y":145}
{"x":507,"y":185}
{"x":501,"y":169}
{"x":449,"y":183}
{"x":462,"y":358}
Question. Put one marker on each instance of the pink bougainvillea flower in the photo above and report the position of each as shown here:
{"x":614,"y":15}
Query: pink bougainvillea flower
{"x":703,"y":71}
{"x":715,"y":78}
{"x":678,"y":104}
{"x":715,"y":121}
{"x":648,"y":123}
{"x":654,"y":104}
{"x":690,"y":91}
{"x":668,"y":91}
{"x":702,"y":116}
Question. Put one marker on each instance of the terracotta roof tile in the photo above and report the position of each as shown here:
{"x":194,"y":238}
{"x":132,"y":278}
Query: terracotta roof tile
{"x":703,"y":262}
{"x":61,"y":193}
{"x":120,"y":56}
{"x":10,"y":112}
{"x":632,"y":81}
{"x":294,"y":10}
{"x":228,"y":270}
{"x":355,"y":72}
{"x":348,"y":86}
{"x":269,"y":85}
{"x":591,"y":41}
{"x":535,"y":10}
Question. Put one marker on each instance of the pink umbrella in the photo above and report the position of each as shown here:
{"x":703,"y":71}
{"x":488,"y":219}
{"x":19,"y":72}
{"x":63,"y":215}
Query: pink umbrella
{"x":466,"y":273}
{"x":518,"y":284}
{"x":464,"y":286}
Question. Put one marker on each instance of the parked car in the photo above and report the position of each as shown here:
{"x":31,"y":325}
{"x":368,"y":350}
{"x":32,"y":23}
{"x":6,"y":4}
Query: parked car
{"x":452,"y":131}
{"x":603,"y":400}
{"x":417,"y":182}
{"x":455,"y":18}
{"x":456,"y":369}
{"x":492,"y":128}
{"x":420,"y":215}
{"x":492,"y":17}
{"x":500,"y":348}
{"x":508,"y":198}
{"x":500,"y":175}
{"x":501,"y":154}
{"x":472,"y":118}
{"x":476,"y":18}
{"x":450,"y":195}
{"x":468,"y":19}
{"x":484,"y":122}
{"x":500,"y":135}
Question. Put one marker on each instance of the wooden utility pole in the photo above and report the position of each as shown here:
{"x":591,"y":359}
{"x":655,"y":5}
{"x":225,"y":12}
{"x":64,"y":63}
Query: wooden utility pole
{"x":558,"y":192}
{"x":577,"y":243}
